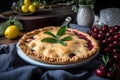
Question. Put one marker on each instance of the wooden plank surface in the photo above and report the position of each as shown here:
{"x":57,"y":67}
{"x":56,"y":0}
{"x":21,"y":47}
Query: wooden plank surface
{"x":4,"y":40}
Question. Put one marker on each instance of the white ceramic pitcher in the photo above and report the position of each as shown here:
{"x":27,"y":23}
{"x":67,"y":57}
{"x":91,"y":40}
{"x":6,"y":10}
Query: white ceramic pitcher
{"x":85,"y":16}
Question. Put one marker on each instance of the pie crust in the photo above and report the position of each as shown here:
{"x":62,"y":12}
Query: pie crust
{"x":80,"y":48}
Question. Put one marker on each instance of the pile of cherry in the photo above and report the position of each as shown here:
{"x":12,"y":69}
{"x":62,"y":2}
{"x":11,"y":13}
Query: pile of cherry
{"x":109,"y":42}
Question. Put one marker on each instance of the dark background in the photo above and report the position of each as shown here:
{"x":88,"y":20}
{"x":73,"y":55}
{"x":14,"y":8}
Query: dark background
{"x":5,"y":5}
{"x":102,"y":4}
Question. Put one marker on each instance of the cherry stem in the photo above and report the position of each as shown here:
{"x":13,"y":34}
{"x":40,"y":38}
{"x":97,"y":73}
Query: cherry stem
{"x":114,"y":67}
{"x":105,"y":59}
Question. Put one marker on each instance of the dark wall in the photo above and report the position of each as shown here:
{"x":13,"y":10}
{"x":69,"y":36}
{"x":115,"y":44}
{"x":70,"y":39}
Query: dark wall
{"x":99,"y":4}
{"x":5,"y":5}
{"x":102,"y":4}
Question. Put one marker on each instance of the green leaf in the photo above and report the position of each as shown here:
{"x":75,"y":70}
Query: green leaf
{"x":3,"y":27}
{"x":21,"y":2}
{"x":62,"y":42}
{"x":1,"y":32}
{"x":51,"y":34}
{"x":105,"y":59}
{"x":50,"y":40}
{"x":67,"y":38}
{"x":61,"y":31}
{"x":44,"y":3}
{"x":18,"y":24}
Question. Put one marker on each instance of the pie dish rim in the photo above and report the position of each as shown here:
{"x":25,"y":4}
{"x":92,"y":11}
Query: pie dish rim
{"x":26,"y":58}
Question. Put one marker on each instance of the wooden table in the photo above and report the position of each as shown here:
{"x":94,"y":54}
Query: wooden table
{"x":4,"y":40}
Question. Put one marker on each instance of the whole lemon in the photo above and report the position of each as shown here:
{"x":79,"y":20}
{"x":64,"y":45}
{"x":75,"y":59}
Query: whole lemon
{"x":12,"y":32}
{"x":24,"y":8}
{"x":27,"y":2}
{"x":32,"y":8}
{"x":36,"y":4}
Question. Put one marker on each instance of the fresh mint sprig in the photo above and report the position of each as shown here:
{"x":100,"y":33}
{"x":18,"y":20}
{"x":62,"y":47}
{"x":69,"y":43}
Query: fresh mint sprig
{"x":61,"y":31}
{"x":67,"y":38}
{"x":51,"y":34}
{"x":51,"y":40}
{"x":55,"y":38}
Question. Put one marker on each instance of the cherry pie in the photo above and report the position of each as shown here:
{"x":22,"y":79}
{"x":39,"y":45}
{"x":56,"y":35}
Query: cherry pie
{"x":81,"y":47}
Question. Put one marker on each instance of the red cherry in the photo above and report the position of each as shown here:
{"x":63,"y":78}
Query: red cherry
{"x":105,"y":41}
{"x":116,"y":36}
{"x":101,"y":32}
{"x":104,"y":28}
{"x":95,"y":30}
{"x":100,"y":72}
{"x":95,"y":35}
{"x":111,"y":45}
{"x":90,"y":32}
{"x":110,"y":39}
{"x":114,"y":50}
{"x":102,"y":67}
{"x":115,"y":42}
{"x":116,"y":57}
{"x":116,"y":28}
{"x":112,"y":30}
{"x":108,"y":34}
{"x":100,"y":36}
{"x":119,"y":31}
{"x":110,"y":74}
{"x":107,"y":50}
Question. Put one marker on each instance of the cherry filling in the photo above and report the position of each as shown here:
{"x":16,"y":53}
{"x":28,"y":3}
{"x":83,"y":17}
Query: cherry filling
{"x":26,"y":41}
{"x":71,"y":55}
{"x":32,"y":50}
{"x":32,"y":37}
{"x":81,"y":36}
{"x":90,"y":46}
